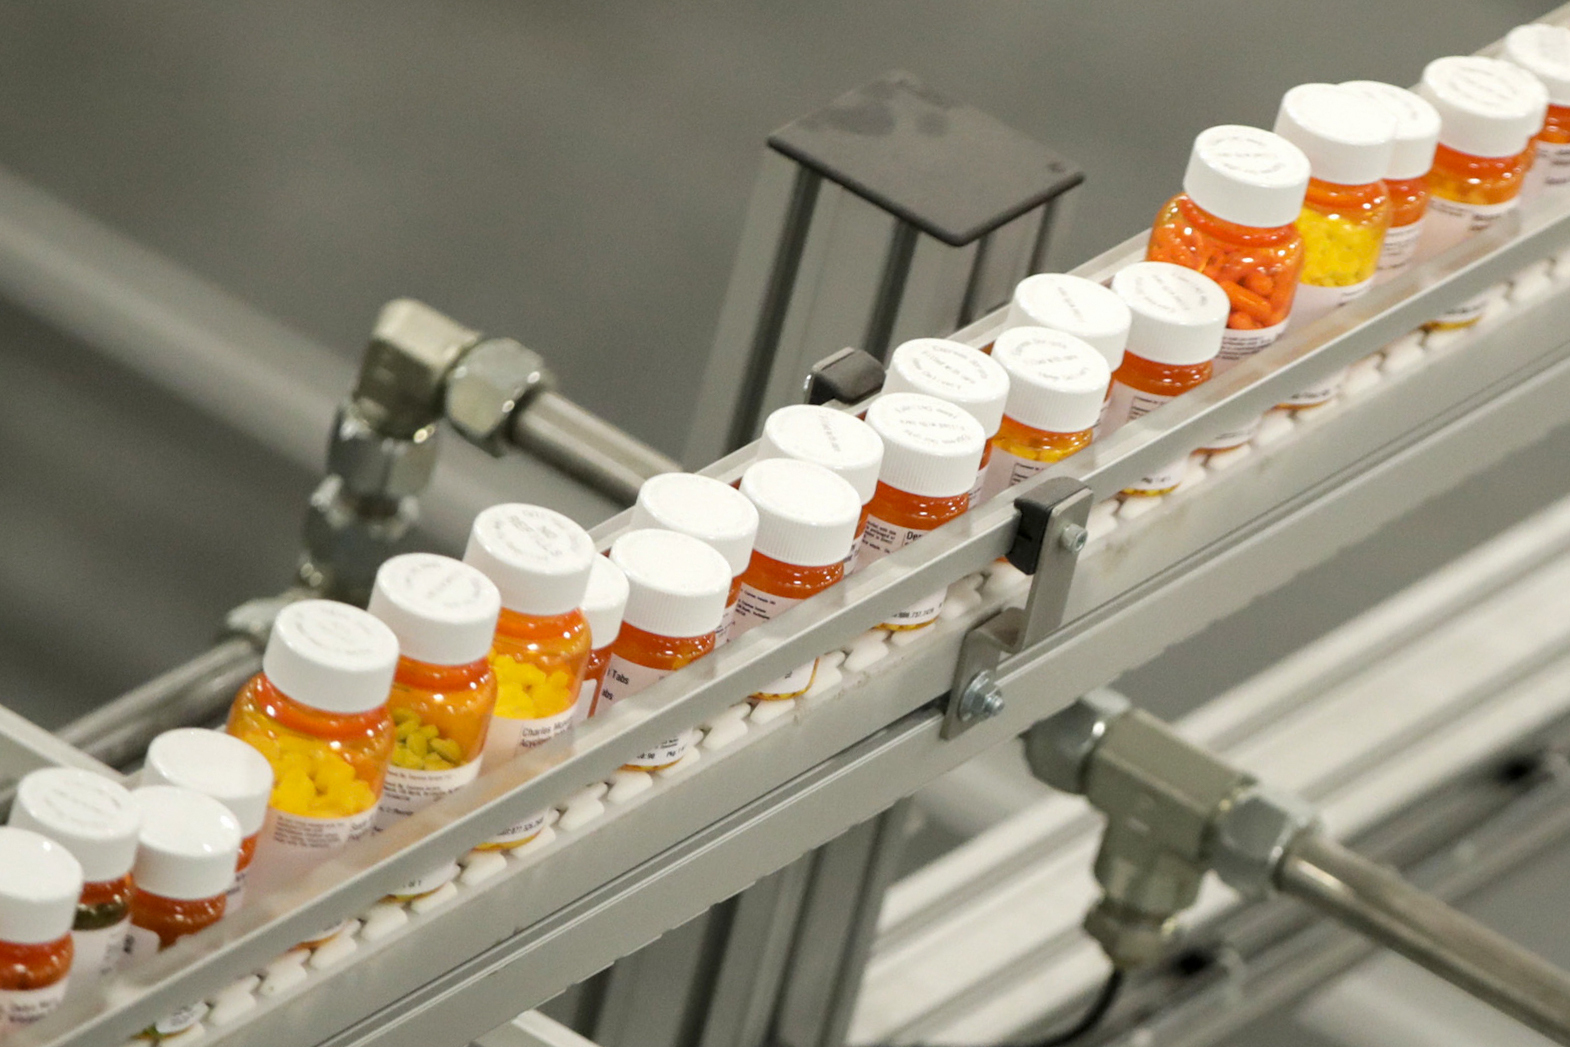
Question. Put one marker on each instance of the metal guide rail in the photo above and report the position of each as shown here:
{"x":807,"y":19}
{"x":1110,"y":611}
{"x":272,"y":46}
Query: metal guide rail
{"x":631,"y":855}
{"x":1452,"y":675}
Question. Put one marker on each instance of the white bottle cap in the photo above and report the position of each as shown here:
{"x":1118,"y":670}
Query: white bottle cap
{"x":39,"y":886}
{"x":1417,"y":126}
{"x":951,"y":371}
{"x":214,"y":764}
{"x":89,"y":815}
{"x":930,"y":447}
{"x":537,"y":557}
{"x":1057,"y":383}
{"x":1073,"y":305}
{"x":677,"y":586}
{"x":1247,"y":176}
{"x":700,"y":506}
{"x":331,"y":656}
{"x":1347,"y":141}
{"x":1179,"y":315}
{"x":1486,"y":107}
{"x":189,"y":844}
{"x":823,"y":436}
{"x":443,"y":612}
{"x":807,"y":516}
{"x":1543,"y":51}
{"x":605,"y":602}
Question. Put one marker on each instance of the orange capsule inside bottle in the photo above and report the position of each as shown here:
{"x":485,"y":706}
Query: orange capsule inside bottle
{"x":807,"y":520}
{"x":677,"y":588}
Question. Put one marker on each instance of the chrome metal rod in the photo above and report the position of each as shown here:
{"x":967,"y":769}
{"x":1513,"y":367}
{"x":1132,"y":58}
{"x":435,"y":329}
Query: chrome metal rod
{"x":188,"y":695}
{"x":1379,"y":903}
{"x":587,"y":447}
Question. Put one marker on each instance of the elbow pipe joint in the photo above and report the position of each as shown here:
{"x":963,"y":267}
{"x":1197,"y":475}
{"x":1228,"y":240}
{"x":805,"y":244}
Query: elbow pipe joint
{"x":1173,"y":812}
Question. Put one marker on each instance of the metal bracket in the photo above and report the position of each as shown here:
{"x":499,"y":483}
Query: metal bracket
{"x":849,"y":376}
{"x":1047,"y":542}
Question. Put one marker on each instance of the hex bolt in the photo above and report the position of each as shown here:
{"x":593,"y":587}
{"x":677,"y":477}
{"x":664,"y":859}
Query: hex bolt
{"x":983,"y":698}
{"x":1073,"y":537}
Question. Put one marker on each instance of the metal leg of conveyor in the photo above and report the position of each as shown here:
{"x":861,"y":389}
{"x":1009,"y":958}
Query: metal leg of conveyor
{"x":834,"y":935}
{"x":1379,"y":903}
{"x":779,"y":963}
{"x":763,"y":921}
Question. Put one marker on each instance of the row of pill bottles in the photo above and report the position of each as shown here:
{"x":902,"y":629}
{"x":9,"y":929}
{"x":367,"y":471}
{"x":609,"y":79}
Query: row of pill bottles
{"x":161,"y":861}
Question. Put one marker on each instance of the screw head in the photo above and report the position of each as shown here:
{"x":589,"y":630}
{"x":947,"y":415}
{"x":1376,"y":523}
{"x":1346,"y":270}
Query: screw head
{"x":1073,"y":537}
{"x":982,"y":698}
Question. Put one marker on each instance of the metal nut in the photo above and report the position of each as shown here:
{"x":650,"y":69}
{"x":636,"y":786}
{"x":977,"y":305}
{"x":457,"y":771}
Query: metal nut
{"x":377,"y":466}
{"x":1073,"y":537}
{"x":401,"y":375}
{"x":1252,"y":834}
{"x":344,"y":547}
{"x":1130,"y":939}
{"x":982,"y":698}
{"x":1059,"y":747}
{"x":489,"y":384}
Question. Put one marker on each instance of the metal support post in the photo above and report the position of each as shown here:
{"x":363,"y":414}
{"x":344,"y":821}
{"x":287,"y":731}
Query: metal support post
{"x":837,"y":924}
{"x":891,"y":290}
{"x":918,"y":183}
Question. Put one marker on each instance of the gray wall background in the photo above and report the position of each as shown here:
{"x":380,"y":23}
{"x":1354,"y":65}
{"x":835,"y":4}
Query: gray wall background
{"x":571,"y":174}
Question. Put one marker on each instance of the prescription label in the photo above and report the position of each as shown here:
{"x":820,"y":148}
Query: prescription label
{"x":879,"y":540}
{"x":508,"y":736}
{"x":97,"y":953}
{"x":624,"y":679}
{"x":1239,"y":344}
{"x":1550,"y":169}
{"x":20,"y":1008}
{"x":1449,"y":223}
{"x":1006,"y":469}
{"x":407,"y":790}
{"x":1399,"y":248}
{"x":1314,"y":301}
